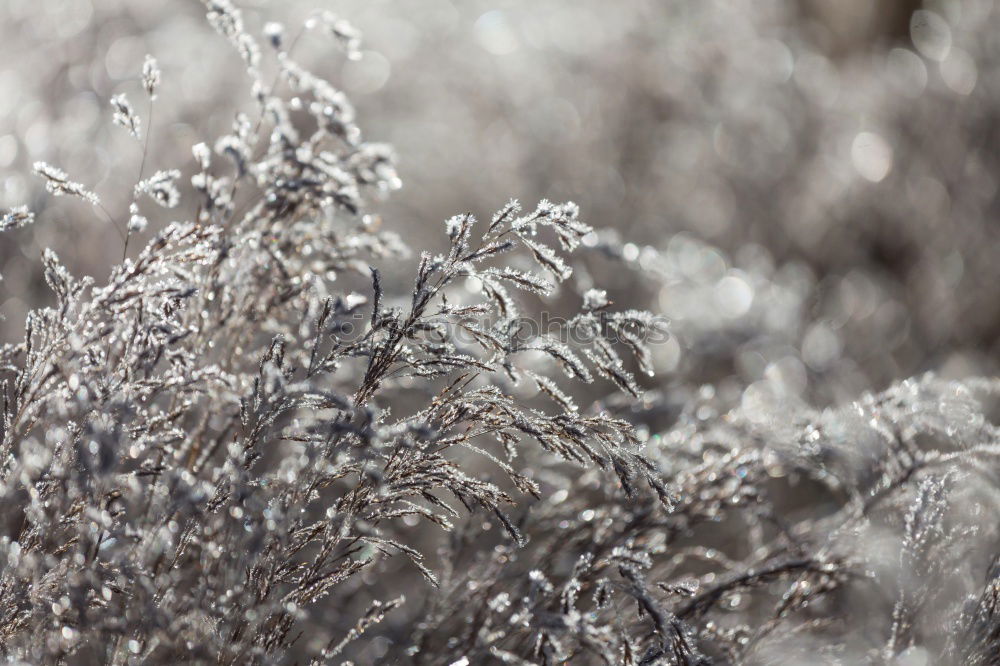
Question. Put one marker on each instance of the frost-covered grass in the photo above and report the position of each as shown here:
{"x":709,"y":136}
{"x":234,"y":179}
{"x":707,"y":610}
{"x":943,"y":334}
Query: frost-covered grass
{"x":256,"y":442}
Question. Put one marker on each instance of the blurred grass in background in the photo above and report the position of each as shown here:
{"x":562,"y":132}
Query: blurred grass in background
{"x":812,"y":184}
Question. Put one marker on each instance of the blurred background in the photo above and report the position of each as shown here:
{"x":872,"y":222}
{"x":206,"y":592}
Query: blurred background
{"x":807,"y":189}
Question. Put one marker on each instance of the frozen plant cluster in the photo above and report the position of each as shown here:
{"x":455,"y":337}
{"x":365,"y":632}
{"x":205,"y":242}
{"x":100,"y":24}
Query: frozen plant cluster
{"x":256,"y":442}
